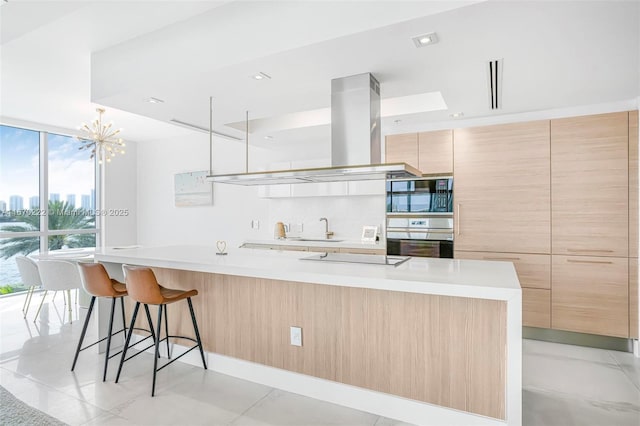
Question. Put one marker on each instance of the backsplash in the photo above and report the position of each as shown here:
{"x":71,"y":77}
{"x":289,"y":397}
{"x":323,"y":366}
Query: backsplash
{"x":346,"y":215}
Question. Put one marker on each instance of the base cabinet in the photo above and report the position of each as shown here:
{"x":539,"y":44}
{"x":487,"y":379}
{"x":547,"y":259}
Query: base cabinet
{"x":536,"y":307}
{"x":590,"y":295}
{"x":534,"y":273}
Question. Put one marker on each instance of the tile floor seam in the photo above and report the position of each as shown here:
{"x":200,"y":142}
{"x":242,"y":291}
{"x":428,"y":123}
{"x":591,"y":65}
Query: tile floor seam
{"x":252,"y":405}
{"x":53,"y":389}
{"x":624,"y":371}
{"x":570,"y":396}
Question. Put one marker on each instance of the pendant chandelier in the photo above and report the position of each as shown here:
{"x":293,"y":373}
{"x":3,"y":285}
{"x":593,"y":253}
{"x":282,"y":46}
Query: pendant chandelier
{"x":101,"y":139}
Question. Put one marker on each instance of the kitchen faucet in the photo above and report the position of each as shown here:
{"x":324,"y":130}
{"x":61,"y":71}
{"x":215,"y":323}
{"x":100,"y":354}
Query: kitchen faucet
{"x":327,"y":233}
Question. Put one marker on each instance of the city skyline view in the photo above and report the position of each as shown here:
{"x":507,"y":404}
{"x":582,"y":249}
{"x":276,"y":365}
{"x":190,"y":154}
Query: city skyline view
{"x":87,"y":201}
{"x":19,"y":168}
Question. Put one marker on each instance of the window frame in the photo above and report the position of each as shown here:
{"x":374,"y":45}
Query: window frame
{"x":43,"y":192}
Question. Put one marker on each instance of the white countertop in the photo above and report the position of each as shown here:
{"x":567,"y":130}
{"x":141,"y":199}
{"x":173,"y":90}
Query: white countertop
{"x":380,"y":245}
{"x":449,"y":277}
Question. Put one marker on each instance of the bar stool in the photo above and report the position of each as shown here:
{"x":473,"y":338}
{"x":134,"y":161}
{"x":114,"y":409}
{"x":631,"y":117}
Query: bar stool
{"x":143,"y":287}
{"x":96,"y":281}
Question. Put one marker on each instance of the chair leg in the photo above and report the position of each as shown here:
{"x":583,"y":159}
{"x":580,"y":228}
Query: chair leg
{"x":106,"y":355}
{"x":40,"y":307}
{"x":70,"y":308}
{"x":126,"y":344}
{"x":84,"y":331}
{"x":155,"y":358}
{"x":195,"y":328}
{"x":54,"y":295}
{"x":27,"y":300}
{"x":166,"y":330}
{"x":124,"y":321}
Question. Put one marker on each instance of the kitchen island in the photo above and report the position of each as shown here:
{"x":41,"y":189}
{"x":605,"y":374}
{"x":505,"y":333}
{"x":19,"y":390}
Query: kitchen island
{"x":431,"y":341}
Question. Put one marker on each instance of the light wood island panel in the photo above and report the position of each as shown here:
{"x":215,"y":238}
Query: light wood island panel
{"x":444,"y":350}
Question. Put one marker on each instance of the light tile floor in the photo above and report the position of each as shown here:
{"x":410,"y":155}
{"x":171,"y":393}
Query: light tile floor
{"x":563,"y":384}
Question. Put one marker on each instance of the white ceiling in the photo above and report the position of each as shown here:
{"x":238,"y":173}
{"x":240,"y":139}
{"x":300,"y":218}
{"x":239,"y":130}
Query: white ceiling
{"x":58,"y":57}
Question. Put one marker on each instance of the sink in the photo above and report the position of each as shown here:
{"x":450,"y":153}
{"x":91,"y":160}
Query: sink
{"x":320,"y":240}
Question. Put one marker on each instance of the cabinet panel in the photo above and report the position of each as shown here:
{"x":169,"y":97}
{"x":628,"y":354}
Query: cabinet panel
{"x":589,"y":177}
{"x":590,"y":295}
{"x":435,"y":152}
{"x":633,"y":184}
{"x":402,"y":149}
{"x":536,"y":307}
{"x":534,"y":270}
{"x":502,"y":188}
{"x":633,"y":298}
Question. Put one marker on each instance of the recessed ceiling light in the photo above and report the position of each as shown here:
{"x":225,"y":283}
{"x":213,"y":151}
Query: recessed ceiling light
{"x":456,"y":115}
{"x":261,"y":76}
{"x":153,"y":100}
{"x":268,"y":137}
{"x":425,"y":39}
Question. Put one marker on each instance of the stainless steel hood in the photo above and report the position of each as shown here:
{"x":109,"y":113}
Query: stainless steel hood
{"x":355,"y":142}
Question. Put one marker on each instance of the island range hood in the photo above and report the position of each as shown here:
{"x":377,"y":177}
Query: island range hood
{"x":355,"y":142}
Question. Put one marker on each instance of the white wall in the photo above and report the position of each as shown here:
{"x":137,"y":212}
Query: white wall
{"x":346,"y":215}
{"x":119,"y":197}
{"x":229,"y":218}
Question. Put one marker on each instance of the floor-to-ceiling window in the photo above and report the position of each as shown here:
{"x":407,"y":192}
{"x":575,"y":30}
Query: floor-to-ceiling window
{"x":47,"y":197}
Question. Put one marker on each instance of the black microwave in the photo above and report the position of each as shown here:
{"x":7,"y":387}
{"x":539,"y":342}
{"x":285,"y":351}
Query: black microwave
{"x":426,"y":195}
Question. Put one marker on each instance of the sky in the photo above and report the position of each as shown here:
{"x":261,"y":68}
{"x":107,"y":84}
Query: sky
{"x":70,"y":170}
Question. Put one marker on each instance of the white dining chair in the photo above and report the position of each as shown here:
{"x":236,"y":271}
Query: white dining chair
{"x":30,"y":277}
{"x":59,"y":275}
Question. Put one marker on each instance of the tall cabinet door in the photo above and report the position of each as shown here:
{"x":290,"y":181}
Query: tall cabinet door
{"x":589,"y":175}
{"x":502,"y":188}
{"x":402,"y":149}
{"x":435,"y":152}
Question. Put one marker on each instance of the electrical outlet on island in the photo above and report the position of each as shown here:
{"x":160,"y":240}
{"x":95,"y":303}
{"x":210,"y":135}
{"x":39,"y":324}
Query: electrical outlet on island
{"x":296,"y":336}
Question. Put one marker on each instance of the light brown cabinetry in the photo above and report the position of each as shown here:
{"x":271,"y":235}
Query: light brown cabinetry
{"x":536,"y":307}
{"x":590,"y":295}
{"x":429,"y":152}
{"x":589,"y":177}
{"x":502,"y":188}
{"x":534,"y":273}
{"x":435,"y":152}
{"x":633,"y":184}
{"x":402,"y":149}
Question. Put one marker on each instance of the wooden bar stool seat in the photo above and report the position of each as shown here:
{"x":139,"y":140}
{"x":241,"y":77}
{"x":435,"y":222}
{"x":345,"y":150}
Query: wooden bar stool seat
{"x":143,"y":287}
{"x":96,"y":281}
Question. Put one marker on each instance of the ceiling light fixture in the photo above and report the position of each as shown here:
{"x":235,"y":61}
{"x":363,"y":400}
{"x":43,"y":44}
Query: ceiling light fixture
{"x":153,"y":100}
{"x":101,"y":139}
{"x":261,"y":76}
{"x":456,"y":115}
{"x":269,"y":137}
{"x":425,"y":39}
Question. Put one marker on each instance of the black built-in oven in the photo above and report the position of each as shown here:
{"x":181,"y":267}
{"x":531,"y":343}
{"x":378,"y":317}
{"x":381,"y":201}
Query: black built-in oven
{"x":420,"y":217}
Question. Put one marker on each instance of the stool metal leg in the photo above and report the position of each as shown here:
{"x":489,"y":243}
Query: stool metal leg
{"x":195,"y":328}
{"x":84,"y":331}
{"x":106,"y":356}
{"x":166,"y":330}
{"x":124,"y":321}
{"x":126,"y":344}
{"x":153,"y":333}
{"x":155,"y":358}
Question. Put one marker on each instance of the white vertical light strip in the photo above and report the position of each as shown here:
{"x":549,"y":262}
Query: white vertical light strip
{"x":101,"y":195}
{"x":44,"y":191}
